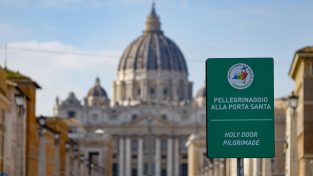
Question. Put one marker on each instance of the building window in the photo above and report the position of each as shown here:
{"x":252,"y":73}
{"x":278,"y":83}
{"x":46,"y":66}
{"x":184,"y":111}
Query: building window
{"x":163,"y":172}
{"x":164,"y":117}
{"x":93,"y":157}
{"x":152,"y":93}
{"x":163,"y":157}
{"x":182,"y":145}
{"x":115,"y":169}
{"x":165,"y":92}
{"x":163,"y":144}
{"x":145,"y":168}
{"x":134,"y":117}
{"x":94,"y":117}
{"x":138,"y":92}
{"x":134,"y":172}
{"x":184,"y":169}
{"x":134,"y":156}
{"x":134,"y":144}
{"x":71,"y":114}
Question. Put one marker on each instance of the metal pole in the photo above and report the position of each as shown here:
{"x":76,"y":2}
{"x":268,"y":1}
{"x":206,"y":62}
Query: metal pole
{"x":5,"y":54}
{"x":240,"y":170}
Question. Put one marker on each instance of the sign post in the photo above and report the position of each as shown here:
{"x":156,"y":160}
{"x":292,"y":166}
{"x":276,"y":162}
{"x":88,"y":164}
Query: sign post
{"x":240,"y":108}
{"x":240,"y":167}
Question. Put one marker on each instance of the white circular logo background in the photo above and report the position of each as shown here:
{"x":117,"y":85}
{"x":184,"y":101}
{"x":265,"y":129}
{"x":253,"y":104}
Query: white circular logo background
{"x":240,"y":76}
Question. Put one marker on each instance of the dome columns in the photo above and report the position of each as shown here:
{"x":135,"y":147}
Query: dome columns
{"x":175,"y":90}
{"x":153,"y":86}
{"x":114,"y":96}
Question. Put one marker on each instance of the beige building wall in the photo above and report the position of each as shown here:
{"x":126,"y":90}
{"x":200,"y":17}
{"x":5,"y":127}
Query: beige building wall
{"x":196,"y":149}
{"x":4,"y":104}
{"x":61,"y":126}
{"x":301,"y":71}
{"x":12,"y":130}
{"x":50,"y":149}
{"x":10,"y":137}
{"x":278,"y":163}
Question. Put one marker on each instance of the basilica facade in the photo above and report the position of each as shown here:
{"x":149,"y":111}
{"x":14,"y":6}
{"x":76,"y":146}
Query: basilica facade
{"x":150,"y":115}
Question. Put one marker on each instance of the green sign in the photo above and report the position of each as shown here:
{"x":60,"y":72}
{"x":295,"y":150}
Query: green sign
{"x":240,"y":107}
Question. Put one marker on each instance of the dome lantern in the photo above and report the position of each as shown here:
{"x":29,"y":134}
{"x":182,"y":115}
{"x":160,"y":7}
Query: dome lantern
{"x":153,"y":23}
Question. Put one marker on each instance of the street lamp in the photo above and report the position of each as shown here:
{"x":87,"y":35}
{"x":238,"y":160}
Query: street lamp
{"x":20,"y":130}
{"x":42,"y":143}
{"x":76,"y":160}
{"x":56,"y":136}
{"x":67,"y":146}
{"x":20,"y":101}
{"x":57,"y":153}
{"x":82,"y":164}
{"x":82,"y":157}
{"x":76,"y":152}
{"x":293,"y":100}
{"x":41,"y":120}
{"x":68,"y":168}
{"x":291,"y":137}
{"x":91,"y":168}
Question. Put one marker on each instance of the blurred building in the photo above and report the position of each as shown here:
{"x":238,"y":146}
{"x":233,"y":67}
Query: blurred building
{"x":27,"y":146}
{"x":151,"y":114}
{"x":60,"y":128}
{"x":39,"y":146}
{"x":4,"y":105}
{"x":29,"y":128}
{"x":301,"y":71}
{"x":14,"y":136}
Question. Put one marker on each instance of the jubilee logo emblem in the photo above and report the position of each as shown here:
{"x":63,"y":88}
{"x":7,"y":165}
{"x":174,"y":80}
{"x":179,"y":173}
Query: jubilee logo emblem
{"x":240,"y":76}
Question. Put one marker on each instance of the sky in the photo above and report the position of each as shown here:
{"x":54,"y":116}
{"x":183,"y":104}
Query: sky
{"x":64,"y":45}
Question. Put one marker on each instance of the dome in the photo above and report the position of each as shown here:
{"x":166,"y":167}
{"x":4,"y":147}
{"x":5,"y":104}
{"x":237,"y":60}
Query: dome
{"x":152,"y":69}
{"x":97,"y":90}
{"x":201,"y":93}
{"x":153,"y":50}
